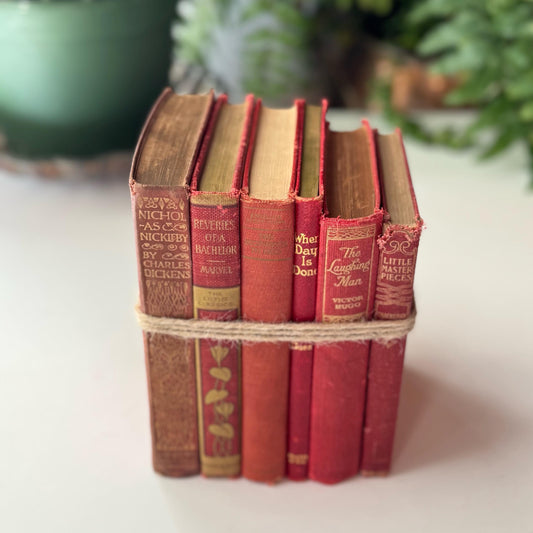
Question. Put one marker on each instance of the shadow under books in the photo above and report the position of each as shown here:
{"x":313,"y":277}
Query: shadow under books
{"x":442,"y":421}
{"x":438,"y":421}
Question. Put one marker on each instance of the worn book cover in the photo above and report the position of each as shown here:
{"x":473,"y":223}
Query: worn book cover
{"x":267,"y":251}
{"x":347,"y":271}
{"x":309,"y":204}
{"x":162,"y":166}
{"x":398,"y":248}
{"x":215,"y":191}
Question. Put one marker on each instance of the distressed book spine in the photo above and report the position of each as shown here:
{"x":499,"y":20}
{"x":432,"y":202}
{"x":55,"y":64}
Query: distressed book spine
{"x":165,"y":279}
{"x":307,"y":229}
{"x":267,"y":241}
{"x":394,"y":300}
{"x":345,"y":292}
{"x":216,"y":296}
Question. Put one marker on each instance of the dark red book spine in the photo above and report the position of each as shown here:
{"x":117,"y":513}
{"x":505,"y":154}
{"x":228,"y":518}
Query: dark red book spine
{"x":398,"y":249}
{"x":267,"y":251}
{"x":306,"y":239}
{"x":216,"y":296}
{"x":347,"y":273}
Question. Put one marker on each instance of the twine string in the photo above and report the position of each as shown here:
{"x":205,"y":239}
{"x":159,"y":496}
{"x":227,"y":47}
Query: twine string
{"x":295,"y":332}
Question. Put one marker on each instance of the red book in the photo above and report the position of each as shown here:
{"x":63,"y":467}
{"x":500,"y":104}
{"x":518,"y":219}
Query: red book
{"x":216,"y":259}
{"x":267,"y":250}
{"x":347,"y":271}
{"x":308,"y":210}
{"x":398,"y":247}
{"x":162,"y":166}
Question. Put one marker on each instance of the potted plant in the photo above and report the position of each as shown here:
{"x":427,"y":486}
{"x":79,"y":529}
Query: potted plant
{"x":78,"y":77}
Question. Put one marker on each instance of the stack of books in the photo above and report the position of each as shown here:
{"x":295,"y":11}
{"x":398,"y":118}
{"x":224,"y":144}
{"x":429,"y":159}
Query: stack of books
{"x":251,"y":214}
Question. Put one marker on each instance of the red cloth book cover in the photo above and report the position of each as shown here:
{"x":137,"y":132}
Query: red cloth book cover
{"x":267,"y":250}
{"x":347,"y":272}
{"x":216,"y":292}
{"x":398,"y":248}
{"x":308,"y":211}
{"x":161,"y":221}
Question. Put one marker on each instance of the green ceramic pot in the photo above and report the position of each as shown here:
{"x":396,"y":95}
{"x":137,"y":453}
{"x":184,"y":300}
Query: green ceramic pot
{"x":78,"y":77}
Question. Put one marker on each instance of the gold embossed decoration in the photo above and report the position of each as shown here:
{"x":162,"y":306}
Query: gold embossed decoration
{"x":221,"y":429}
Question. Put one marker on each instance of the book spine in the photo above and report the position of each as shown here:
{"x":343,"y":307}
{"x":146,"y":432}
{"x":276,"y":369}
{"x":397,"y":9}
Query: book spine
{"x":307,"y":228}
{"x":394,"y":300}
{"x":165,"y":280}
{"x":267,"y":241}
{"x":216,"y":296}
{"x":345,"y":292}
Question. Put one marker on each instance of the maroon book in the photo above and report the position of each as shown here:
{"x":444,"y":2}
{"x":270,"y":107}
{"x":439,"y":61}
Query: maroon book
{"x":398,"y":248}
{"x":267,"y":250}
{"x":347,"y":271}
{"x":162,"y":166}
{"x":216,"y":260}
{"x":309,"y":204}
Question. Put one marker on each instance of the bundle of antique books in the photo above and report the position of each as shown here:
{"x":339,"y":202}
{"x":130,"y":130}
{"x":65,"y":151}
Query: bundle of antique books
{"x":258,"y":229}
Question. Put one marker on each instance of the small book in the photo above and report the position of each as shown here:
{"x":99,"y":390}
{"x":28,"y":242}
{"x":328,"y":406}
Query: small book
{"x":161,"y":170}
{"x":216,"y":259}
{"x":398,"y":248}
{"x":347,"y":271}
{"x":267,"y":251}
{"x":309,"y":203}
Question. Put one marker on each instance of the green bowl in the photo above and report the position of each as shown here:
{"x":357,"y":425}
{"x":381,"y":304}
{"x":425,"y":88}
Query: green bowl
{"x":77,"y":77}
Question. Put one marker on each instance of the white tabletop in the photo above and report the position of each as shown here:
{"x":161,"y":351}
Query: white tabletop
{"x":74,"y":437}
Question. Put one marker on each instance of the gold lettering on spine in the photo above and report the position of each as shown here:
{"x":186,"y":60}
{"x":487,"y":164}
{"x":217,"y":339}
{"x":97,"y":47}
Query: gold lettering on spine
{"x":213,"y":299}
{"x":215,"y":253}
{"x":306,"y":253}
{"x":164,"y":253}
{"x":297,"y":458}
{"x":395,"y":276}
{"x":266,"y":234}
{"x":346,"y":269}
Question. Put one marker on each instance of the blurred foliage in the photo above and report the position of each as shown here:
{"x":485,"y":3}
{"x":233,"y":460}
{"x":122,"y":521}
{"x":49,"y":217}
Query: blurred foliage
{"x":280,"y":49}
{"x":488,"y":46}
{"x":274,"y":48}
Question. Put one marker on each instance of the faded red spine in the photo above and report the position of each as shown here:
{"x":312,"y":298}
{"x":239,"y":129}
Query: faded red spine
{"x":394,"y":301}
{"x":267,"y":238}
{"x":267,"y":250}
{"x":394,"y":298}
{"x":347,"y":273}
{"x":306,"y":239}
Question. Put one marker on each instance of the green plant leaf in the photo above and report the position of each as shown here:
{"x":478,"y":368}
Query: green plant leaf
{"x":504,"y":139}
{"x":444,"y":37}
{"x":490,"y":115}
{"x":526,"y":112}
{"x":472,"y":91}
{"x":520,"y":88}
{"x":430,"y":10}
{"x":467,"y":58}
{"x":517,"y":56}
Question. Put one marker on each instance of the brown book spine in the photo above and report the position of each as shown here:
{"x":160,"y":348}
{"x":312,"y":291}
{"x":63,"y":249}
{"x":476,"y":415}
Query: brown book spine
{"x":162,"y":236}
{"x":165,"y":281}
